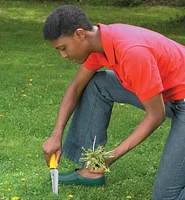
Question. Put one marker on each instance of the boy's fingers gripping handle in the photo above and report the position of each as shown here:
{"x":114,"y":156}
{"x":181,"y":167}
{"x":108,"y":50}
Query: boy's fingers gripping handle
{"x":52,"y":163}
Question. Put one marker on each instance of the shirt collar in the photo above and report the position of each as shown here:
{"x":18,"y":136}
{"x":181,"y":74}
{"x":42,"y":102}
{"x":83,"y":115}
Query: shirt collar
{"x":106,"y":39}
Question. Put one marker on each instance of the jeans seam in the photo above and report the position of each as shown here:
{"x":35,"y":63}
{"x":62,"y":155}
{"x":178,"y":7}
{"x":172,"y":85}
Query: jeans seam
{"x":180,"y":167}
{"x":93,"y":110}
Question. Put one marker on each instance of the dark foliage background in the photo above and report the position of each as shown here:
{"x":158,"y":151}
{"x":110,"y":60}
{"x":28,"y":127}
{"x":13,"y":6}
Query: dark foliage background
{"x":123,"y":3}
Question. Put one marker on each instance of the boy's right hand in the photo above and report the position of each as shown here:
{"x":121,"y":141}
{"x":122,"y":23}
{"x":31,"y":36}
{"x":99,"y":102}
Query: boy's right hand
{"x":52,"y":145}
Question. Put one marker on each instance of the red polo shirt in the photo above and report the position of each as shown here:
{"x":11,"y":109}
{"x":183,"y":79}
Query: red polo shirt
{"x":144,"y":61}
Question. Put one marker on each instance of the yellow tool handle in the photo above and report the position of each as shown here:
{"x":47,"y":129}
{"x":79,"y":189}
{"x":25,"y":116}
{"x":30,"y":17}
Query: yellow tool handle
{"x":52,"y":163}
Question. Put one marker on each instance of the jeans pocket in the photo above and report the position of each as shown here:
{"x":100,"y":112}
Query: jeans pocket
{"x":180,"y":112}
{"x":181,"y":107}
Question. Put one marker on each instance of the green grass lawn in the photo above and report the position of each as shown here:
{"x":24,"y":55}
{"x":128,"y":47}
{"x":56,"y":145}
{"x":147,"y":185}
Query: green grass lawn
{"x":33,"y":80}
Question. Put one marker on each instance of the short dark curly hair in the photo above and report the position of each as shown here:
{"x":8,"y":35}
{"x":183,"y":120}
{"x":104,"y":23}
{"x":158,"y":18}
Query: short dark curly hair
{"x":64,"y":21}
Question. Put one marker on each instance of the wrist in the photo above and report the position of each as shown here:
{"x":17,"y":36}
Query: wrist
{"x":116,"y":154}
{"x":57,"y":134}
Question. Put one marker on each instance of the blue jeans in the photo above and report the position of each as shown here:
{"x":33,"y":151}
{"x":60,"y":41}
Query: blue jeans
{"x":92,"y":116}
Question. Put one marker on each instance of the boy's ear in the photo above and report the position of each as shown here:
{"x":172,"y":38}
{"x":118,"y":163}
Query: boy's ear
{"x":80,"y":33}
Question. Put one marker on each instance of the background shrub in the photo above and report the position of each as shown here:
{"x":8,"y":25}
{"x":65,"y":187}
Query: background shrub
{"x":123,"y":3}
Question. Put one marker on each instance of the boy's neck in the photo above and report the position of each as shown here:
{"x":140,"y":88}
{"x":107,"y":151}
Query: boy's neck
{"x":95,"y":40}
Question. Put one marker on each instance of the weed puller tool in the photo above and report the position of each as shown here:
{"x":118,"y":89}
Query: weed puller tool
{"x":54,"y":173}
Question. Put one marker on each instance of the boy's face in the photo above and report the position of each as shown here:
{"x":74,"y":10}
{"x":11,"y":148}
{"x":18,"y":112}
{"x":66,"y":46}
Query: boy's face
{"x":75,"y":47}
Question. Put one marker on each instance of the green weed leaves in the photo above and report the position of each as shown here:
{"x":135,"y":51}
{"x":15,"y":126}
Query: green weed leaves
{"x":96,"y":159}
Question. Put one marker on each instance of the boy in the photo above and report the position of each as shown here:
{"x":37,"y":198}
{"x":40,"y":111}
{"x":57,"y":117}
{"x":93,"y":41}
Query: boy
{"x":146,"y":70}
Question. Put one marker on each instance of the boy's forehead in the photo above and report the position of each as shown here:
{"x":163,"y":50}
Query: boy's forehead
{"x":60,"y":41}
{"x":64,"y":38}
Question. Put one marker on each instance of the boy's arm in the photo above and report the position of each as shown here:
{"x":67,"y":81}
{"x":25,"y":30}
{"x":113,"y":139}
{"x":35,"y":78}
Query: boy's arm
{"x":67,"y":106}
{"x":155,"y":115}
